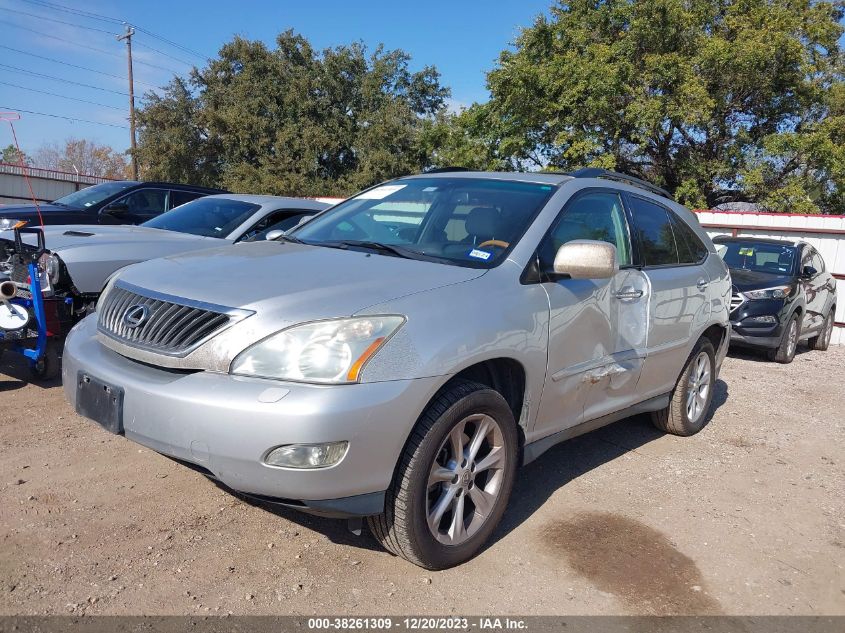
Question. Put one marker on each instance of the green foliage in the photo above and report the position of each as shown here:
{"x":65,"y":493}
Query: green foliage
{"x":292,"y":120}
{"x":11,"y":155}
{"x":716,"y":100}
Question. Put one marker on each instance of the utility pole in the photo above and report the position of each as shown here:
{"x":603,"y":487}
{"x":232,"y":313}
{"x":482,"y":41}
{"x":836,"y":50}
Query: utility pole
{"x":128,"y":37}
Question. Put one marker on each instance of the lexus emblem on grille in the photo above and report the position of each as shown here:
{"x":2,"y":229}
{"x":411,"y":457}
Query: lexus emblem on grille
{"x":135,"y":315}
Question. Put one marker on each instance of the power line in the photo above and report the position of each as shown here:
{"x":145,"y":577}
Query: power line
{"x":67,"y":81}
{"x":97,"y":16}
{"x":61,"y":96}
{"x":73,"y":24}
{"x":68,"y":118}
{"x":90,"y":48}
{"x":161,"y":52}
{"x":74,"y":11}
{"x":58,"y":61}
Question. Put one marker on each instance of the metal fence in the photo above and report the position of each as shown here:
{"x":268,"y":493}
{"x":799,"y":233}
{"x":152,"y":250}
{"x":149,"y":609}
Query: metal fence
{"x":47,"y":184}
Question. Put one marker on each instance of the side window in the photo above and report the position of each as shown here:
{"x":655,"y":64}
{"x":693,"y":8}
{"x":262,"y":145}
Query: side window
{"x":806,"y":258}
{"x":145,"y":201}
{"x":593,"y":216}
{"x":181,"y":197}
{"x":691,"y":250}
{"x":278,"y":221}
{"x":654,"y":230}
{"x":818,"y":262}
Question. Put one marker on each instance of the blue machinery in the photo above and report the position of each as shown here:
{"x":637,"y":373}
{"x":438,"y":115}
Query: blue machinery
{"x":32,"y":340}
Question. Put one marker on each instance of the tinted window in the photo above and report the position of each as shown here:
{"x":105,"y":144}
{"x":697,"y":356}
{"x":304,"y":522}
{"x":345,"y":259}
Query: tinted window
{"x":758,"y":256}
{"x":181,"y":197}
{"x":278,"y":221}
{"x":818,"y":262}
{"x":593,"y":216}
{"x":92,"y":195}
{"x":145,"y":201}
{"x":464,"y":221}
{"x":691,"y":249}
{"x":654,"y":231}
{"x":210,"y":217}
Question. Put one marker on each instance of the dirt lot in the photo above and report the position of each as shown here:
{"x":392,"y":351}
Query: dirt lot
{"x":748,"y":517}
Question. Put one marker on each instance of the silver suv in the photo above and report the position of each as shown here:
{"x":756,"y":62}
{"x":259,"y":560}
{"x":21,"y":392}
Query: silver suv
{"x":399,"y":356}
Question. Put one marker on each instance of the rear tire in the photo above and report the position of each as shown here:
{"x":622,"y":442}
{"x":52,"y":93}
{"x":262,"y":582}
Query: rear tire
{"x":440,"y":510}
{"x":690,"y":401}
{"x":822,"y":341}
{"x":785,"y":352}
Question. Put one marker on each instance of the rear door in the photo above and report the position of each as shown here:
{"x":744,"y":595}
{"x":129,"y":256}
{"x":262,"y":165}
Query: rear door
{"x":815,"y":289}
{"x":596,"y":325}
{"x":673,"y":259}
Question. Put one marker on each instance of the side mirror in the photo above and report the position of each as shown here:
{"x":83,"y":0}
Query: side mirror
{"x":274,"y":235}
{"x":809,"y":271}
{"x":116,"y":209}
{"x":586,"y":259}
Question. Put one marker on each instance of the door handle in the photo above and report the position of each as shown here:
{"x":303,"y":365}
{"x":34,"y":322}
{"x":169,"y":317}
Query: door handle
{"x":629,"y":292}
{"x":702,"y":284}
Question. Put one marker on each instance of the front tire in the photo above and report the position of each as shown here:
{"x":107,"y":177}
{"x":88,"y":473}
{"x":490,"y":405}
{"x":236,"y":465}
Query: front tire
{"x":690,"y":401}
{"x":785,"y":352}
{"x":453,"y":480}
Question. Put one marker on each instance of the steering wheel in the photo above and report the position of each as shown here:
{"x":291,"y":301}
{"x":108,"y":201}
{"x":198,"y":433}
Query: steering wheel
{"x":498,"y":243}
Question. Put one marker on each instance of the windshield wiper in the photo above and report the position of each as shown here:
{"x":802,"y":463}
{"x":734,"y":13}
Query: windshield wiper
{"x":289,"y":238}
{"x":390,"y":249}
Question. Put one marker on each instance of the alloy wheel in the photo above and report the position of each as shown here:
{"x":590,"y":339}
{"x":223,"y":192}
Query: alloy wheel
{"x":792,"y":339}
{"x":465,"y":480}
{"x":698,"y":386}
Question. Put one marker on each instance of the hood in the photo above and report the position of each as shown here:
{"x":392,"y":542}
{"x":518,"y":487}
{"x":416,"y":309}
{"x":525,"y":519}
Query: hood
{"x":285,"y":282}
{"x":745,"y":279}
{"x":29,"y":212}
{"x":92,"y":253}
{"x":61,"y":238}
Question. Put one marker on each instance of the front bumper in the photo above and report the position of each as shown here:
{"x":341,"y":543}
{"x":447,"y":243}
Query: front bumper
{"x":223,"y":425}
{"x":745,"y":332}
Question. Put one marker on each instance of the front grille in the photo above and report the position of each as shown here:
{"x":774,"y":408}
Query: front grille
{"x":170,"y":325}
{"x":736,"y":299}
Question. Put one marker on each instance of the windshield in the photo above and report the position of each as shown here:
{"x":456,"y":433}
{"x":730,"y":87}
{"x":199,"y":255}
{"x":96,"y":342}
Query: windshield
{"x":84,"y":198}
{"x":209,"y":217}
{"x":463,"y":221}
{"x":760,"y":257}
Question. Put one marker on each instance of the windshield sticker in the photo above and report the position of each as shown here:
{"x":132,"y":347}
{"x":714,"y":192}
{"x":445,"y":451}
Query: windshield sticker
{"x":746,"y":251}
{"x":380,"y":192}
{"x":480,"y":254}
{"x":430,"y":189}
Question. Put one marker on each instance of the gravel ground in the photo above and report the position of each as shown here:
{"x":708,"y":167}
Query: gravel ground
{"x":744,"y":518}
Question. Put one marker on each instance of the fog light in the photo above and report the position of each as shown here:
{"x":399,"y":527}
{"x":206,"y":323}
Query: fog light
{"x":307,"y":455}
{"x":761,"y":320}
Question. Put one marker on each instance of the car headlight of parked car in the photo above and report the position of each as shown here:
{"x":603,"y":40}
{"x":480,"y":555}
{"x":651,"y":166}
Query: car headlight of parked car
{"x":51,"y":265}
{"x":330,"y":352}
{"x":778,"y":292}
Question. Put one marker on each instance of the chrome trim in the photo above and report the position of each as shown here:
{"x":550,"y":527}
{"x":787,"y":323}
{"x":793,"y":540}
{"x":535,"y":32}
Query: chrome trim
{"x":169,"y":324}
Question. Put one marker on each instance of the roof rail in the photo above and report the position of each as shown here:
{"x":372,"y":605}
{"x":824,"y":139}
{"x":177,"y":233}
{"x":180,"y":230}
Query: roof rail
{"x":440,"y":170}
{"x":595,"y":172}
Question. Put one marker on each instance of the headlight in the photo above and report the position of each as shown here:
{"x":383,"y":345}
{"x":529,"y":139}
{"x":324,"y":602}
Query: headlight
{"x":51,"y":265}
{"x":8,"y":224}
{"x":332,"y":352}
{"x":778,"y":292}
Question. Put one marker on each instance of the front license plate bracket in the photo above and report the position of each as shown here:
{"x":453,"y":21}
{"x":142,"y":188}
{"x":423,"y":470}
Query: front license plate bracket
{"x":100,"y":401}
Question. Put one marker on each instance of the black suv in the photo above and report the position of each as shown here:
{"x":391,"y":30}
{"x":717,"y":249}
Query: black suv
{"x":781,"y":294}
{"x":116,"y":202}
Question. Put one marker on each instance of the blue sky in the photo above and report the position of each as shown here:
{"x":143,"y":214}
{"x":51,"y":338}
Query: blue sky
{"x":461,"y":38}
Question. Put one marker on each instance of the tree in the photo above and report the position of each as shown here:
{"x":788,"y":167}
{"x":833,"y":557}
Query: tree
{"x":292,"y":120}
{"x":11,"y":155}
{"x":716,"y":100}
{"x":83,"y":156}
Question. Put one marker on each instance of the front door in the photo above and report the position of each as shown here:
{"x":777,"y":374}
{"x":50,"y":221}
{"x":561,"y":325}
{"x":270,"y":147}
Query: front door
{"x":595,"y":325}
{"x":673,"y":259}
